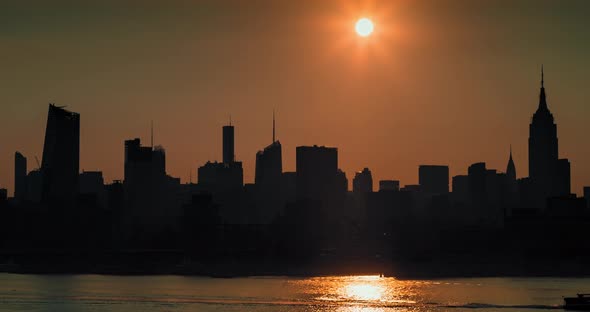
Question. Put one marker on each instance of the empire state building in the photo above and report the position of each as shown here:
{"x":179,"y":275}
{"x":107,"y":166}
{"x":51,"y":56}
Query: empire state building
{"x":549,"y":174}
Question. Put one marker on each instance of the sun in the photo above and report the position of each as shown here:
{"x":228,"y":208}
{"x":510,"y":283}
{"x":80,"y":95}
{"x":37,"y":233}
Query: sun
{"x":364,"y":27}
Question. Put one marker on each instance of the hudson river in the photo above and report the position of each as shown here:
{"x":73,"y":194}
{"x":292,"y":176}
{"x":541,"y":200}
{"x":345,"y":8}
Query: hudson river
{"x":352,"y":293}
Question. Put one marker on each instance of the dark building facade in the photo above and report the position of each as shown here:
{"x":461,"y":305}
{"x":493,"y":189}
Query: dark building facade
{"x":225,"y":182}
{"x":477,"y":178}
{"x":317,"y":171}
{"x":434,"y":179}
{"x":228,"y":144}
{"x":91,"y":182}
{"x":3,"y":195}
{"x":34,"y":186}
{"x":216,"y":177}
{"x":226,"y":176}
{"x":268,"y":182}
{"x":269,"y":165}
{"x":20,"y":177}
{"x":363,"y":182}
{"x":389,"y":185}
{"x":461,"y":189}
{"x":92,"y":188}
{"x":289,"y":186}
{"x":145,"y":178}
{"x":61,"y":158}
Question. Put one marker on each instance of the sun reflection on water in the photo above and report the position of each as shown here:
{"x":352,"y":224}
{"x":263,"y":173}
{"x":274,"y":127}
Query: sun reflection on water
{"x":363,"y":288}
{"x":366,"y":291}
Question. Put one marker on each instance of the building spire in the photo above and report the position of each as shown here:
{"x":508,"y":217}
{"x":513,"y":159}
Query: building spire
{"x":542,"y":97}
{"x":273,"y":126}
{"x":511,"y":168}
{"x":542,"y":77}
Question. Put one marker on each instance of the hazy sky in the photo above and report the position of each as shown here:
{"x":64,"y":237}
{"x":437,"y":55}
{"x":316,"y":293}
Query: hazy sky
{"x":439,"y":82}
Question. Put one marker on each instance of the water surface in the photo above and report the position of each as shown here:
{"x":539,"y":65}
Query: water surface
{"x":351,"y":293}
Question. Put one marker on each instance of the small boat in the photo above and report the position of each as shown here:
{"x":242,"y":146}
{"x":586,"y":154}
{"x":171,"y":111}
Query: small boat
{"x":581,"y":302}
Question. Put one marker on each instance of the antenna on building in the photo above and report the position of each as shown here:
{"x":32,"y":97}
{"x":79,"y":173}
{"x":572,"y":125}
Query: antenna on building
{"x":542,"y":77}
{"x":230,"y":119}
{"x":152,"y":134}
{"x":273,"y":126}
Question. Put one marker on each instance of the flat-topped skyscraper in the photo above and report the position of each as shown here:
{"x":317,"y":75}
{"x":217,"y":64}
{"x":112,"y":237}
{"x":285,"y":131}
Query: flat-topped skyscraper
{"x":317,"y":171}
{"x":226,"y":176}
{"x":228,"y":144}
{"x":61,"y":157}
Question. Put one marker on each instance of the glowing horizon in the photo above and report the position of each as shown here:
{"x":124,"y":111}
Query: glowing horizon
{"x":432,"y":85}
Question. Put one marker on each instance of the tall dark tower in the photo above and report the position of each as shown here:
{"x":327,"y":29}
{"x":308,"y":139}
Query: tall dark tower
{"x":269,"y":162}
{"x":543,"y":148}
{"x":544,"y":167}
{"x":20,"y":176}
{"x":61,"y":157}
{"x":267,"y":179}
{"x":228,"y":144}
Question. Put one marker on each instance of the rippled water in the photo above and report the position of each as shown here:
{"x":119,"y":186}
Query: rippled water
{"x":350,"y":293}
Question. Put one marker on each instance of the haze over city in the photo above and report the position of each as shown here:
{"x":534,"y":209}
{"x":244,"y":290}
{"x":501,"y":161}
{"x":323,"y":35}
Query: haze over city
{"x":325,"y":155}
{"x":448,"y":84}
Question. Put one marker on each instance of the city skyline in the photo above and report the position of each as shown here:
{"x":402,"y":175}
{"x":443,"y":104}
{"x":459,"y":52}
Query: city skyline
{"x":389,"y":103}
{"x":228,"y":138}
{"x":230,"y":155}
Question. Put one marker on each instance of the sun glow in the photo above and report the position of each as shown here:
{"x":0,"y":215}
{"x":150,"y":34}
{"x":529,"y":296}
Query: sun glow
{"x":364,"y":292}
{"x":370,"y":290}
{"x":364,"y":27}
{"x":361,"y":33}
{"x":364,"y":288}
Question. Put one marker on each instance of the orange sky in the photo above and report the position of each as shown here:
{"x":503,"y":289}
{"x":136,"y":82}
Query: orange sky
{"x":439,"y":82}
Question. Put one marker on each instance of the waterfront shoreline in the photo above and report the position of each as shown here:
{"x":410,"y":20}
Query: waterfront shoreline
{"x":403,"y":272}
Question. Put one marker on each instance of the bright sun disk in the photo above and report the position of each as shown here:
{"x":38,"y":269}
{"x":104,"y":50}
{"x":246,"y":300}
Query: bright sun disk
{"x":364,"y":27}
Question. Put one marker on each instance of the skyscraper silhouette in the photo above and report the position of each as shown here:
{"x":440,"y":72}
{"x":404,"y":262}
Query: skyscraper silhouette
{"x":549,"y":175}
{"x":317,"y":171}
{"x":225,"y":176}
{"x":61,"y":158}
{"x":363,"y":182}
{"x":20,"y":176}
{"x":145,"y":173}
{"x":477,"y":185}
{"x":228,"y":144}
{"x":269,"y":162}
{"x":268,"y":178}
